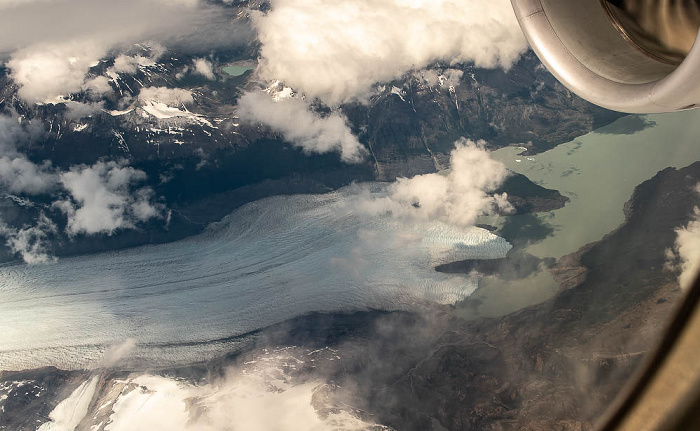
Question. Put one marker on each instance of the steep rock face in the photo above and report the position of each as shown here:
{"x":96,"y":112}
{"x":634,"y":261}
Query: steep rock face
{"x":29,"y":396}
{"x":523,"y":105}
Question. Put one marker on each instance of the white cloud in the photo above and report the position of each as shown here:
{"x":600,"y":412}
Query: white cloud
{"x":30,"y":242}
{"x":168,"y":96}
{"x":97,"y":86}
{"x":47,"y":72}
{"x":456,"y":198}
{"x":20,"y":175}
{"x":687,"y":249}
{"x":17,"y":173}
{"x":204,"y":67}
{"x":125,"y":64}
{"x":338,"y":50}
{"x":293,"y":118}
{"x":101,"y":198}
{"x":130,"y":64}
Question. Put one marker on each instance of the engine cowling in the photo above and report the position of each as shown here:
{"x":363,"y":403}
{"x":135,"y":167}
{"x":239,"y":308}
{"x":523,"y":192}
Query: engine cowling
{"x":636,"y":56}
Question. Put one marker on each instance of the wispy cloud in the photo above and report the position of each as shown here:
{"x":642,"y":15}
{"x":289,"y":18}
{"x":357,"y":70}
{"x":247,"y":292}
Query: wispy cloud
{"x":294,"y":119}
{"x":32,"y":243}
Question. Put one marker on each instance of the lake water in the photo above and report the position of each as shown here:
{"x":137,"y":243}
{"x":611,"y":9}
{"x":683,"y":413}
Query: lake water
{"x":598,"y":172}
{"x":237,"y":70}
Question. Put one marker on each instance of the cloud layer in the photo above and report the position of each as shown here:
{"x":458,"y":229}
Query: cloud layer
{"x":35,"y":22}
{"x":338,"y":50}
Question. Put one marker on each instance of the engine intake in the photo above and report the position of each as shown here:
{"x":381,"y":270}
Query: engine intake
{"x":632,"y":56}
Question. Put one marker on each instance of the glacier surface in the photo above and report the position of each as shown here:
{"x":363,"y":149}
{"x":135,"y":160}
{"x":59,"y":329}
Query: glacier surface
{"x":266,"y":262}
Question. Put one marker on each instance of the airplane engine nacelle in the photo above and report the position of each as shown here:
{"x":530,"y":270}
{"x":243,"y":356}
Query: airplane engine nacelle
{"x":637,"y":56}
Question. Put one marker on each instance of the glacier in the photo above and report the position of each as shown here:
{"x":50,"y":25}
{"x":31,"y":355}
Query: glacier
{"x":268,"y":261}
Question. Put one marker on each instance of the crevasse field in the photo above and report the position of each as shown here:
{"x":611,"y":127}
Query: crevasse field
{"x":269,"y":261}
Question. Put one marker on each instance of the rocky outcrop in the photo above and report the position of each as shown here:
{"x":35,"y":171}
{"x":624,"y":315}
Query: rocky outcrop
{"x":517,"y":264}
{"x":569,"y":271}
{"x":528,"y":197}
{"x":29,"y":396}
{"x":524,"y":105}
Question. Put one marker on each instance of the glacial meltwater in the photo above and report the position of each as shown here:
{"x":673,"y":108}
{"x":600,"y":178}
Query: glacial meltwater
{"x":237,"y":70}
{"x":598,"y":173}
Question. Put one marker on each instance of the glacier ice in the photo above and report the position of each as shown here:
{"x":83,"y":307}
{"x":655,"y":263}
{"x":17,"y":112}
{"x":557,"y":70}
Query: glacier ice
{"x":266,"y":262}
